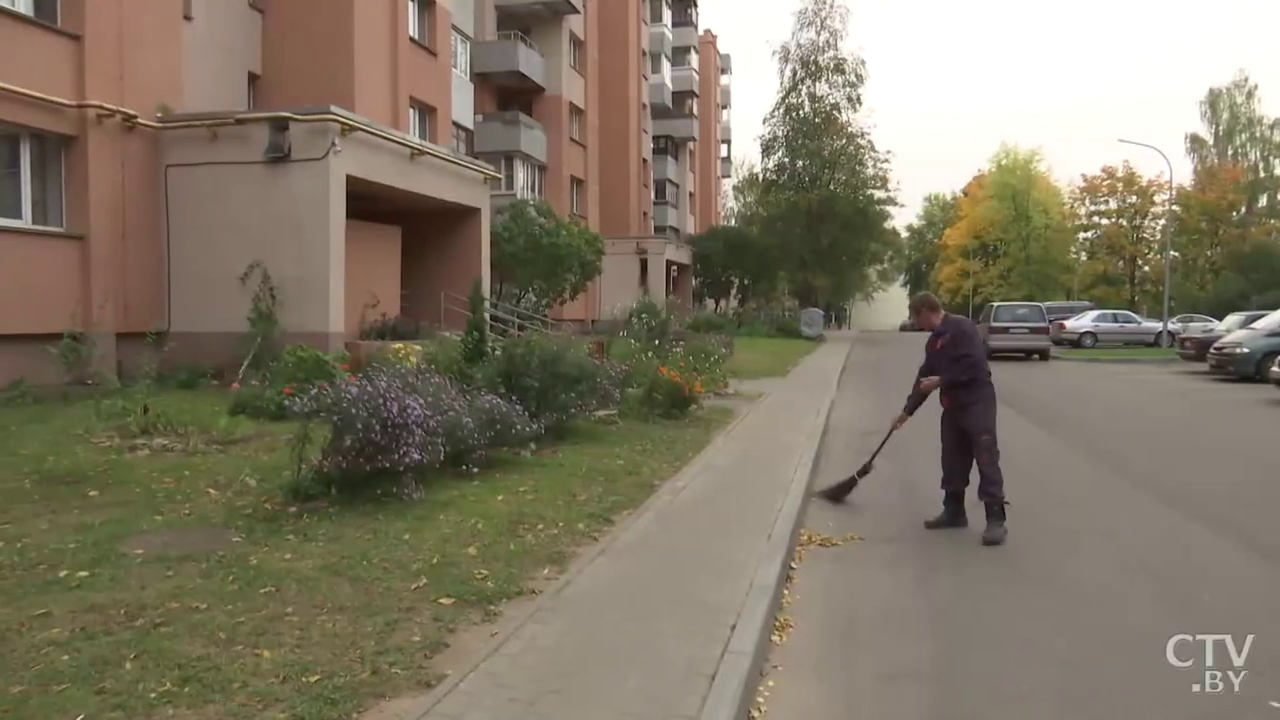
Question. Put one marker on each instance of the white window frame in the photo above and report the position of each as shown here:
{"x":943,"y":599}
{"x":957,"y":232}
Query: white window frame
{"x":24,"y":182}
{"x":419,"y":122}
{"x":28,"y":8}
{"x":577,"y":199}
{"x":576,"y":46}
{"x":460,"y":54}
{"x":419,"y":21}
{"x":577,"y":118}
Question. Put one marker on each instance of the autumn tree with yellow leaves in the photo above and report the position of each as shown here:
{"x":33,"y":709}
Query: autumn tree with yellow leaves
{"x":1119,"y":217}
{"x":1011,"y":236}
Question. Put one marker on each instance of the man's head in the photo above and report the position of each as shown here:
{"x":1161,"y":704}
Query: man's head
{"x":926,"y":311}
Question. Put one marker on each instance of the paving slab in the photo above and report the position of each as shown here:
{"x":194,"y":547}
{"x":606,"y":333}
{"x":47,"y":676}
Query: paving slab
{"x":643,"y":630}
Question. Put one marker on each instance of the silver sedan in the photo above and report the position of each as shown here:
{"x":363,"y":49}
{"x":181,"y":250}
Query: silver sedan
{"x":1111,"y":327}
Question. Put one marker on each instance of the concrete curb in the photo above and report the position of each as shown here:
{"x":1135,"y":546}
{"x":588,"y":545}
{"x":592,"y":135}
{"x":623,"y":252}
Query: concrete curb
{"x":419,"y":707}
{"x":733,"y":688}
{"x":1140,"y":360}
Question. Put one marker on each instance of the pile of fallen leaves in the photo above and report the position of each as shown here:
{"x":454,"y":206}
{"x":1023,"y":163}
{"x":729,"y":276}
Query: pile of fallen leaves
{"x":783,"y":624}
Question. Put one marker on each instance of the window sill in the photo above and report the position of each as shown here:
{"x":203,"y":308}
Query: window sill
{"x":23,"y":17}
{"x":422,"y":45}
{"x":6,"y":227}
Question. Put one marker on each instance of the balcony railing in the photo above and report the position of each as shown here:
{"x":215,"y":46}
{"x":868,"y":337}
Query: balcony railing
{"x":518,"y":37}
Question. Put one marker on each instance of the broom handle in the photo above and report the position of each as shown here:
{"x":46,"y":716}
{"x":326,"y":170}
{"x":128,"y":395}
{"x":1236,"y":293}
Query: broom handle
{"x":880,"y":447}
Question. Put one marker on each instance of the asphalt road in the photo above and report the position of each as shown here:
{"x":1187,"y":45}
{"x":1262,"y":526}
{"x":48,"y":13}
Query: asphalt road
{"x":1145,"y":502}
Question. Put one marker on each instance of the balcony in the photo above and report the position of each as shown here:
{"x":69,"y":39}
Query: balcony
{"x":510,"y":132}
{"x":726,"y":131}
{"x":660,"y":90}
{"x":537,"y":9}
{"x":684,"y":35}
{"x":684,"y":79}
{"x":660,"y":40}
{"x":726,"y":94}
{"x":510,"y":61}
{"x":665,"y":167}
{"x":679,"y":127}
{"x":726,"y":168}
{"x":665,"y":215}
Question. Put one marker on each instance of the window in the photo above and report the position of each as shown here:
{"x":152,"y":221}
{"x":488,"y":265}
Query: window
{"x":646,"y":223}
{"x":422,"y":15}
{"x":188,"y":13}
{"x":1125,"y":318}
{"x":461,"y":54}
{"x":684,"y":57}
{"x":1022,"y":313}
{"x":577,"y":123}
{"x":646,"y":172}
{"x":724,"y":150}
{"x":644,"y":275}
{"x":42,"y":10}
{"x":251,"y":91}
{"x":30,"y":179}
{"x":685,"y":103}
{"x":659,"y":12}
{"x":663,"y":145}
{"x":577,"y":196}
{"x":660,"y":66}
{"x":525,"y":178}
{"x":575,"y":53}
{"x":1268,"y":323}
{"x":422,"y":121}
{"x":666,"y":192}
{"x":464,"y":141}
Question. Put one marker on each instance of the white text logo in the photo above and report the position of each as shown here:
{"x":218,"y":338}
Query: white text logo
{"x":1209,"y":652}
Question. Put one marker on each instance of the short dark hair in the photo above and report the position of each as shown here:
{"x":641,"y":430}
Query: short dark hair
{"x":924,"y":302}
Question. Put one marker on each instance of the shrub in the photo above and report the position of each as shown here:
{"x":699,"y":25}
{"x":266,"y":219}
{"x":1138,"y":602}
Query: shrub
{"x":648,"y":323}
{"x":711,"y":323}
{"x":385,"y":328}
{"x":552,"y":378}
{"x":299,"y":369}
{"x":393,"y":424}
{"x":475,"y":341}
{"x":674,"y":383}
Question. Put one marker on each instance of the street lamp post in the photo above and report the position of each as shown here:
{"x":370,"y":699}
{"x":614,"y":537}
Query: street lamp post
{"x":1168,"y":239}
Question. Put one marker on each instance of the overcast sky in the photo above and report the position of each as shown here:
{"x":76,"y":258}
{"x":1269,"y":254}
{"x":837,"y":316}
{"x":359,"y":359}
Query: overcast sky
{"x":950,"y":80}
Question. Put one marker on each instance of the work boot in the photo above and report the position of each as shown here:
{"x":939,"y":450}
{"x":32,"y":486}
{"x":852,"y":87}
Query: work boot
{"x":952,"y":515}
{"x":995,"y":532}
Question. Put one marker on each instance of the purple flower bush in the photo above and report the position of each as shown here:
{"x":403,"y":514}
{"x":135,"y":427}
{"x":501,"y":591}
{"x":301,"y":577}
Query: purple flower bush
{"x":391,"y":425}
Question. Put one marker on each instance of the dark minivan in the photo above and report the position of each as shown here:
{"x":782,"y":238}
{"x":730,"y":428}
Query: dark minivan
{"x":1066,"y":309}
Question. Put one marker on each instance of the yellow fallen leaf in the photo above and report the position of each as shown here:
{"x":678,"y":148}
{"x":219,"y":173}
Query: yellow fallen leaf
{"x":311,"y":680}
{"x":418,"y":585}
{"x":473,"y":551}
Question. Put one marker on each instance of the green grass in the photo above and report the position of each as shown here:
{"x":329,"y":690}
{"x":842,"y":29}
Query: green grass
{"x":1125,"y":351}
{"x":315,"y":611}
{"x":758,"y":357}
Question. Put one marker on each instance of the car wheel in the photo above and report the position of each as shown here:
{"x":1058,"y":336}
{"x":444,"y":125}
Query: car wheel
{"x":1264,"y":367}
{"x":1045,"y":356}
{"x":1087,"y":340}
{"x":1164,"y":339}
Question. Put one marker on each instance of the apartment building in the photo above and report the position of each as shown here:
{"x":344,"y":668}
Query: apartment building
{"x":150,"y":152}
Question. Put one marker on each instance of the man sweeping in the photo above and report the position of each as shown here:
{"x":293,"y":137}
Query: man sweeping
{"x":955,"y":364}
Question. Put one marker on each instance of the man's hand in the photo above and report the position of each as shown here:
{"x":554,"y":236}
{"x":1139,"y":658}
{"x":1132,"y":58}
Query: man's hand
{"x":929,"y":384}
{"x":901,"y":420}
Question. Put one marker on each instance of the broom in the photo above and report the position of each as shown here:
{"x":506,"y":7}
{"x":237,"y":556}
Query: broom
{"x":838,"y":492}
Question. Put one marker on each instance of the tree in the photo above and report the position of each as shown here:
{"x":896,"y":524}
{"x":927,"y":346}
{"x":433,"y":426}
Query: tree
{"x":824,"y":184}
{"x":1209,"y":226}
{"x":713,"y":270}
{"x":1118,"y":226}
{"x":756,"y":255}
{"x":1237,"y":132}
{"x":540,"y":260}
{"x":1011,"y":239}
{"x":920,"y":251}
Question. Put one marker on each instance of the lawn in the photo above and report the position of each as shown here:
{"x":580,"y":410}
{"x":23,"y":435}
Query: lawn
{"x":1124,"y":351}
{"x":169,"y":580}
{"x":757,"y":357}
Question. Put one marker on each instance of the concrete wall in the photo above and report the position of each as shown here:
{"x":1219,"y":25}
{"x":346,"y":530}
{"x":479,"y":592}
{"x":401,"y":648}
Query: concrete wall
{"x":372,"y":273}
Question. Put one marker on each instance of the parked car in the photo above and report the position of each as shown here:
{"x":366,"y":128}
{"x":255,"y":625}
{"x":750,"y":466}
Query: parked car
{"x":1110,"y":327}
{"x":1015,"y":328}
{"x":1193,"y":323}
{"x":1066,"y":309}
{"x":1248,"y":353}
{"x":1195,"y":348}
{"x":1274,"y":373}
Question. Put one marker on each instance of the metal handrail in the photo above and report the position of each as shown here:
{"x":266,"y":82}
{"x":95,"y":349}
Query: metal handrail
{"x":520,"y":38}
{"x":347,"y":125}
{"x":501,"y":309}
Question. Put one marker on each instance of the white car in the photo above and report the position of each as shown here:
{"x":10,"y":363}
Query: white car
{"x":1192,"y":324}
{"x":1111,"y":327}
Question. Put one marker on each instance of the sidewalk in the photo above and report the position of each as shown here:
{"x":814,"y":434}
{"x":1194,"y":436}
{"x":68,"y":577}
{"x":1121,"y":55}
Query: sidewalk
{"x":644,"y":628}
